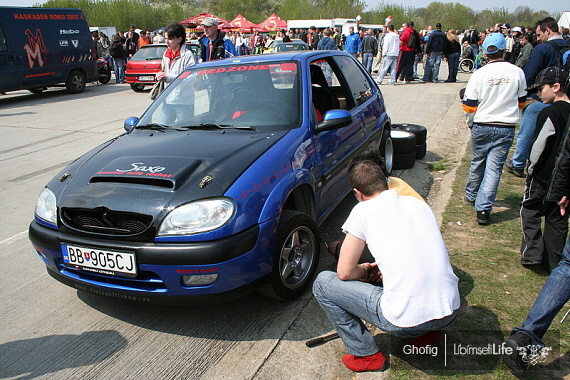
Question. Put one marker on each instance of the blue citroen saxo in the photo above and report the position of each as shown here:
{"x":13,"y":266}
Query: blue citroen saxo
{"x":219,"y":187}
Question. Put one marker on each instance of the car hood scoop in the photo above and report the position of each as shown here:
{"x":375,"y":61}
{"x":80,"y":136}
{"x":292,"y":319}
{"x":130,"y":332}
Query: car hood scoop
{"x":163,"y":171}
{"x":148,"y":174}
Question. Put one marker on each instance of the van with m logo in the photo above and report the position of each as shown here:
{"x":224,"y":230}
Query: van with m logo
{"x":44,"y":47}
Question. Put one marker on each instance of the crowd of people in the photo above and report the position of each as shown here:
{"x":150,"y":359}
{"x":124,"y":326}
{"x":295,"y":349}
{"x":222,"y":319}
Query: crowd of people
{"x":383,"y":275}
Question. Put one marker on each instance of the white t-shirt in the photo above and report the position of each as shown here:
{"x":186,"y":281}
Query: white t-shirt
{"x":497,"y":87}
{"x":404,"y":238}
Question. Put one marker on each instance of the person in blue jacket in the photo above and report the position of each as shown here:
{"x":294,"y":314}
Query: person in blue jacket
{"x":214,"y":44}
{"x":353,"y":45}
{"x":327,"y":43}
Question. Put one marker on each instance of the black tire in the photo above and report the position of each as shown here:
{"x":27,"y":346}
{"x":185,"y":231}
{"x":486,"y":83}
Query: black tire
{"x":75,"y":82}
{"x":37,"y":90}
{"x":104,"y":76}
{"x":296,"y":256}
{"x":419,"y":130}
{"x":403,"y":141}
{"x":137,"y":87}
{"x":387,"y":153}
{"x":466,"y":65}
{"x":404,"y":160}
{"x":421,"y":150}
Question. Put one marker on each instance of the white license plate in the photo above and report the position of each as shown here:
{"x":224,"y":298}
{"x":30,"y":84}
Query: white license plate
{"x":100,"y":261}
{"x":148,"y":78}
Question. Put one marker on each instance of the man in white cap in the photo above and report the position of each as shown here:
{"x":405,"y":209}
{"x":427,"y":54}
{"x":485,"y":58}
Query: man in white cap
{"x":492,"y":100}
{"x":214,"y":44}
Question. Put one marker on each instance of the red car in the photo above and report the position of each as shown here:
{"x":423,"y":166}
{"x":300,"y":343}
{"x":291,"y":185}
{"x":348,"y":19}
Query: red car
{"x":143,"y":66}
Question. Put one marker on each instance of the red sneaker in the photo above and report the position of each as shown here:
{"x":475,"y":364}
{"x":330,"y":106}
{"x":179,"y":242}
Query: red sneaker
{"x":432,"y":338}
{"x":376,"y":362}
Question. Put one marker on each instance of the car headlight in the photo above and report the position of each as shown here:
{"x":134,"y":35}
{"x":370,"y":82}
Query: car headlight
{"x":196,"y":217}
{"x":46,"y":208}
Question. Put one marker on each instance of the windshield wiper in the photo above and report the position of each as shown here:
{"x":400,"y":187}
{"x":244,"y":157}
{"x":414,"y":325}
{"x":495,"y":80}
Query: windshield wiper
{"x":215,"y":126}
{"x":153,"y":126}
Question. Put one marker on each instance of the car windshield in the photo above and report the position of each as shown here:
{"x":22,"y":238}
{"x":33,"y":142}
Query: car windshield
{"x":149,"y":52}
{"x":254,"y":96}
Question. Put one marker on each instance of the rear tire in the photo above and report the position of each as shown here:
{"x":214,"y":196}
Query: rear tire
{"x":75,"y":82}
{"x":137,"y":87}
{"x":387,"y":152}
{"x":296,"y":256}
{"x":104,"y":76}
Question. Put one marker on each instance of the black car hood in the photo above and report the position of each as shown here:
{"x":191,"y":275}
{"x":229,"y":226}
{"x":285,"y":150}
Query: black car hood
{"x":149,"y":172}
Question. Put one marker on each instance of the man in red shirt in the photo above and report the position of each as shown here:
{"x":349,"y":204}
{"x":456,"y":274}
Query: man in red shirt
{"x":409,"y":41}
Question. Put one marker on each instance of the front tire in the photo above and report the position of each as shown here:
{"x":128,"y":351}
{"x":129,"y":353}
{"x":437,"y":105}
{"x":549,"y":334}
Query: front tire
{"x":137,"y":87}
{"x":296,"y":256}
{"x":75,"y":82}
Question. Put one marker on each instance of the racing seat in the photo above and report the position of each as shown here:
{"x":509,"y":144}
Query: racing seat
{"x":323,"y":98}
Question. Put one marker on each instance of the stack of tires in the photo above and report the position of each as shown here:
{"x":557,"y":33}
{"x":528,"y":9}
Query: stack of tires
{"x":409,"y":141}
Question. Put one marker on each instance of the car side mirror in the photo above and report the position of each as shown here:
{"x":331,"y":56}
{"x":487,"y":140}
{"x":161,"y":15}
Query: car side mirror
{"x":130,"y":123}
{"x":334,"y":119}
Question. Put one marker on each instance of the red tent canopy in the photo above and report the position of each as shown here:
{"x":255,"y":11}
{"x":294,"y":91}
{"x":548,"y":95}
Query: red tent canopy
{"x":243,"y":24}
{"x":196,"y":20}
{"x":273,"y":23}
{"x":226,"y":26}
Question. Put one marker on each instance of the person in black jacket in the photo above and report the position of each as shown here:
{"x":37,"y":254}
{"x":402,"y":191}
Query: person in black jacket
{"x":545,"y":247}
{"x":118,"y":55}
{"x":434,"y":53}
{"x":527,"y":339}
{"x":452,"y":52}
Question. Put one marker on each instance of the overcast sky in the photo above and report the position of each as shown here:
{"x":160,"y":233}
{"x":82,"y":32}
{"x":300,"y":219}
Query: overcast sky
{"x":550,"y":5}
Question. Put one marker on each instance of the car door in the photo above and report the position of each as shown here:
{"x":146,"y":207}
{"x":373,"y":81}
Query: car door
{"x":9,"y":80}
{"x":336,"y":148}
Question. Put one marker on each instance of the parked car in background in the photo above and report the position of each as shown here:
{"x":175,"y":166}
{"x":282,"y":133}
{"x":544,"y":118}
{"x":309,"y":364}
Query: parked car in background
{"x":220,"y":186}
{"x":278,"y":45}
{"x":145,"y":63}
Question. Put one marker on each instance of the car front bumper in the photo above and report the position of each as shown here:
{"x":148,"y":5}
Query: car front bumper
{"x":240,"y":262}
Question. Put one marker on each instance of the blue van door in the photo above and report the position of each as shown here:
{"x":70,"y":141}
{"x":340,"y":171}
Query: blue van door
{"x":8,"y":78}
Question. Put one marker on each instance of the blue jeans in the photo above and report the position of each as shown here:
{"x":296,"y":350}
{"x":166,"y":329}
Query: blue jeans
{"x":554,"y":294}
{"x":526,"y":132}
{"x":119,"y":68}
{"x":489,"y":150}
{"x":453,"y":63}
{"x":432,"y":66}
{"x":390,"y":62}
{"x":367,"y":59}
{"x":347,"y":303}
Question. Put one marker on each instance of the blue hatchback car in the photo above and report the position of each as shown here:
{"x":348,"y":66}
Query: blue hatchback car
{"x":220,"y":186}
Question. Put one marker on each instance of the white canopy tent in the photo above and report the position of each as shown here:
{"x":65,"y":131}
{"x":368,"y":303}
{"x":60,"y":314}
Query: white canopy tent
{"x":564,"y":20}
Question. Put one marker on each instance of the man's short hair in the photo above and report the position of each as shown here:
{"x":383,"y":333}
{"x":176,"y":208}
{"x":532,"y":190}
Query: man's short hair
{"x":367,"y":173}
{"x":547,"y":22}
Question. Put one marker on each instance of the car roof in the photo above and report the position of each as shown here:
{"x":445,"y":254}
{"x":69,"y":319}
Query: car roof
{"x":297,"y":55}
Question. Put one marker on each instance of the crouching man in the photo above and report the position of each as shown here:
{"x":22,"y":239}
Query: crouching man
{"x":419,"y":292}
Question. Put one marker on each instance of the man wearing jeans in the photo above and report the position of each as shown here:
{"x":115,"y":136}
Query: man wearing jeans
{"x":492,"y":100}
{"x":391,"y":50}
{"x":419,"y":292}
{"x":555,"y":292}
{"x":437,"y":41}
{"x":369,"y":50}
{"x":543,"y":55}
